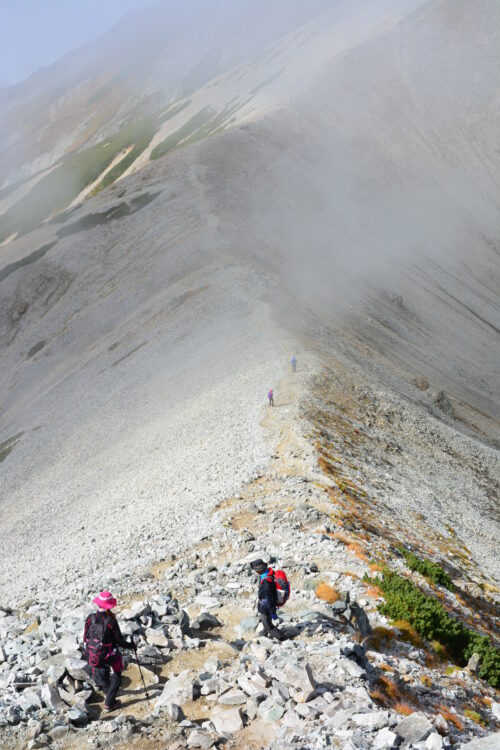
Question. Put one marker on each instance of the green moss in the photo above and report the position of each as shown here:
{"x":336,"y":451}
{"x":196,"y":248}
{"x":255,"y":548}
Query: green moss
{"x":405,"y":601}
{"x":428,"y":569}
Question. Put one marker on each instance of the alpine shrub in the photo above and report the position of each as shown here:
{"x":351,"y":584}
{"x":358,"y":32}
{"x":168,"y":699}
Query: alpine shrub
{"x":430,"y":570}
{"x":405,"y":601}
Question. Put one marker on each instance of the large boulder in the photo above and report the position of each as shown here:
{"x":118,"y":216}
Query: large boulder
{"x":177,"y":690}
{"x":414,"y":728}
{"x":301,"y":678}
{"x":51,"y":698}
{"x":226,"y":720}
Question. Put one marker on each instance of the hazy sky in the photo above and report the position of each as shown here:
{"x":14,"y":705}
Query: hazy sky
{"x":36,"y":33}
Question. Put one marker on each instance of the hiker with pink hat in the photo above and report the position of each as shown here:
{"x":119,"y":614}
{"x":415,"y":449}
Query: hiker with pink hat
{"x":101,"y":639}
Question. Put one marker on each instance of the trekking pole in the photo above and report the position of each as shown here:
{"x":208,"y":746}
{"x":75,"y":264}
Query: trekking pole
{"x":140,"y":670}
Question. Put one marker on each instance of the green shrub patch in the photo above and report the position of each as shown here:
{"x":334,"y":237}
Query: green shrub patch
{"x":430,"y":570}
{"x":405,"y":601}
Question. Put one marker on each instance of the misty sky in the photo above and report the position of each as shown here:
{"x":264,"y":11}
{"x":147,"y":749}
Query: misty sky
{"x":36,"y":33}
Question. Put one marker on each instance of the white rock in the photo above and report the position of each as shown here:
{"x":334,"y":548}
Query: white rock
{"x":200,"y":739}
{"x":434,"y":741}
{"x":233,"y":697}
{"x":347,"y":666}
{"x":51,"y":697}
{"x":108,"y":727}
{"x":177,"y":690}
{"x":385,"y":739}
{"x":302,"y":679}
{"x":371,"y":719}
{"x":226,"y":720}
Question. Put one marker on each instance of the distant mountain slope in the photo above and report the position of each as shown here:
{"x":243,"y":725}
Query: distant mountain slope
{"x":339,"y":190}
{"x":152,"y":58}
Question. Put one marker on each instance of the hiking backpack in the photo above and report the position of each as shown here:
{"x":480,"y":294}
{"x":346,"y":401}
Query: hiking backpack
{"x":282,"y":585}
{"x":98,"y":640}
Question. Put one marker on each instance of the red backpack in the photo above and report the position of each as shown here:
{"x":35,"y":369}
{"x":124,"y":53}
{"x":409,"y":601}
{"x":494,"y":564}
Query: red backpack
{"x":282,"y":585}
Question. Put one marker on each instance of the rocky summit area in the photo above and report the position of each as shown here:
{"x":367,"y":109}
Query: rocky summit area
{"x":346,"y":676}
{"x":185,"y":204}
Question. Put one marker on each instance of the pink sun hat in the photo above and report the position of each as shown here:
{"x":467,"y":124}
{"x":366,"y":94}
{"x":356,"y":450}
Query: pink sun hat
{"x":105,"y":600}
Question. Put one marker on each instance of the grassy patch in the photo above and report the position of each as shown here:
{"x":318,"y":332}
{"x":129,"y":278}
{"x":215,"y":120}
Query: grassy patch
{"x":199,"y":126}
{"x":74,"y":172}
{"x":404,"y":708}
{"x":405,"y":601}
{"x":450,"y":717}
{"x":476,"y":717}
{"x":327,"y":593}
{"x":408,"y":633}
{"x":430,"y":570}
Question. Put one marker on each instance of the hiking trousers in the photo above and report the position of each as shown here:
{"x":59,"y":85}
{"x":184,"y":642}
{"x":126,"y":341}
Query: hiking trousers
{"x":107,"y":682}
{"x":269,"y":628}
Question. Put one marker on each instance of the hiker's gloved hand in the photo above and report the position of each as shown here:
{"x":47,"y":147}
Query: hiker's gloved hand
{"x":275,"y":618}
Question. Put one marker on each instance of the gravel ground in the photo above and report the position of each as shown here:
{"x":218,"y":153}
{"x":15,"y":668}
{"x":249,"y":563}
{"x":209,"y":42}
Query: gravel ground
{"x":149,"y":445}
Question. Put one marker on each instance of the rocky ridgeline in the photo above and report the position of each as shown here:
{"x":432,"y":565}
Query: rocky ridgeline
{"x":214,"y":679}
{"x":312,"y":690}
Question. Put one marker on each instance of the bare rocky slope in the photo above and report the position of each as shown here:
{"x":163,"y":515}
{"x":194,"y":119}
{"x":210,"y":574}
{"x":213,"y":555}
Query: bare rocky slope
{"x":330,"y":188}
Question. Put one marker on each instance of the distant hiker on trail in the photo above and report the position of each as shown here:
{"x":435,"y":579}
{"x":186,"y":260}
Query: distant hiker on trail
{"x":294,"y":363}
{"x":274,"y":591}
{"x":101,"y":638}
{"x":270,"y":397}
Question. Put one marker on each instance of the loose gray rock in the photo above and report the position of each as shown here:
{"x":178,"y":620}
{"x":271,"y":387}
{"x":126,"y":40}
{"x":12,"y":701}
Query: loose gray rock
{"x":385,"y":740}
{"x":414,"y":728}
{"x":233,"y":697}
{"x":177,"y":690}
{"x":491,"y":742}
{"x":174,"y":712}
{"x":302,"y":679}
{"x":434,"y":742}
{"x":201,"y":739}
{"x":474,"y":663}
{"x":108,"y":727}
{"x":205,"y":621}
{"x":77,"y":717}
{"x":226,"y":720}
{"x":51,"y":697}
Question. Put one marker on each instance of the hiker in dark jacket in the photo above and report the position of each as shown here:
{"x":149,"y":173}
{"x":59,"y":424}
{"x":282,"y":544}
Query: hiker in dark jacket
{"x":102,"y":638}
{"x":267,"y":600}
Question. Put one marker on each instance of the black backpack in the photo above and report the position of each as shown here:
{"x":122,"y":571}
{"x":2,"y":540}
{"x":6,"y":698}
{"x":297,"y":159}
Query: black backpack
{"x":98,"y":639}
